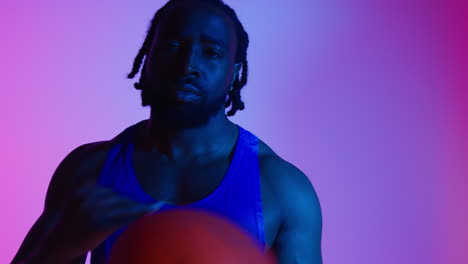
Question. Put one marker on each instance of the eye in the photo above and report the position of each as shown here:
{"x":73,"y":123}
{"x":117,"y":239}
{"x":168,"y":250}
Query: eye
{"x":213,"y":53}
{"x":172,"y":44}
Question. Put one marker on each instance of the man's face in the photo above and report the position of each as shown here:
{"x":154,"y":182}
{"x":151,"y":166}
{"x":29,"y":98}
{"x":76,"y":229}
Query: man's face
{"x":195,"y":45}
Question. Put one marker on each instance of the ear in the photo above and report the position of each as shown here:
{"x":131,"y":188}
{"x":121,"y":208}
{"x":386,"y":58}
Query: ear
{"x":235,"y":73}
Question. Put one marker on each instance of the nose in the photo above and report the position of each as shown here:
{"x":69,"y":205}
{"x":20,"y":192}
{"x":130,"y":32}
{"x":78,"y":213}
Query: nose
{"x":191,"y":65}
{"x":192,"y":71}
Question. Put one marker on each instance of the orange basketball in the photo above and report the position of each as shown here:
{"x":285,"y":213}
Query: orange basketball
{"x":190,"y":236}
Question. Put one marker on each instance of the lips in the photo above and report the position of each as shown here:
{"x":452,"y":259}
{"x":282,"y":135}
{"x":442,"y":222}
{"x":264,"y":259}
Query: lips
{"x":187,"y":84}
{"x":188,"y":87}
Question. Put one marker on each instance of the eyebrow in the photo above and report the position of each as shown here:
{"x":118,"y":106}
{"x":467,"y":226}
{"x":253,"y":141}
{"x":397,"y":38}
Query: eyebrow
{"x":205,"y":38}
{"x":213,"y":40}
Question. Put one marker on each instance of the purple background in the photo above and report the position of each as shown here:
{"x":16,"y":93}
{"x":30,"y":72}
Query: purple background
{"x":369,"y":100}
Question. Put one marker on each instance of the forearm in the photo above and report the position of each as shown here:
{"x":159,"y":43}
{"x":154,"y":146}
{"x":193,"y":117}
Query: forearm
{"x":35,"y":238}
{"x":40,"y":246}
{"x":49,"y":255}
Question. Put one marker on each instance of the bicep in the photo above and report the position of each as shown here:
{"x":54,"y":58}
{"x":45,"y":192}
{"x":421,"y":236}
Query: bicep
{"x":62,"y":180}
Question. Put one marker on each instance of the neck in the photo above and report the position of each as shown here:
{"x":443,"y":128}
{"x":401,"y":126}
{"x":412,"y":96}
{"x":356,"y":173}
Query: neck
{"x":218,"y":135}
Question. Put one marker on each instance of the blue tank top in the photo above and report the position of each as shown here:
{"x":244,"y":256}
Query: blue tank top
{"x":237,"y":197}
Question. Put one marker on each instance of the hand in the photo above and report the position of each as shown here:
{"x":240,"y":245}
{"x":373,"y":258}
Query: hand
{"x":89,"y":216}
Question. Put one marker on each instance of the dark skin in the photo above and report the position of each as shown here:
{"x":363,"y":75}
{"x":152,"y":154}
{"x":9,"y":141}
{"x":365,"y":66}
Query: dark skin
{"x":291,"y":207}
{"x":175,"y":164}
{"x":192,"y":53}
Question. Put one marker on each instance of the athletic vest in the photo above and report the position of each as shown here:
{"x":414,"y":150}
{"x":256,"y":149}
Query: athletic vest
{"x":237,"y":197}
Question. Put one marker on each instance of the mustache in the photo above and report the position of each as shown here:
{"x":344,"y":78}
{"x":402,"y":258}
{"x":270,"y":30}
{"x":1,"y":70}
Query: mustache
{"x":188,"y":80}
{"x":163,"y":92}
{"x":164,"y":86}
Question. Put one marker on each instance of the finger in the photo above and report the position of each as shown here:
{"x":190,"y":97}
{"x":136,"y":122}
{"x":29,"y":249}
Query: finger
{"x":124,"y":220}
{"x":102,"y":194}
{"x":109,"y":200}
{"x":122,"y":212}
{"x":156,"y":206}
{"x":85,"y":190}
{"x":141,"y":209}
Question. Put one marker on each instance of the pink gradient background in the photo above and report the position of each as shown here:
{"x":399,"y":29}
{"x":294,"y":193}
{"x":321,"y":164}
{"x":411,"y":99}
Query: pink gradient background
{"x":369,"y":101}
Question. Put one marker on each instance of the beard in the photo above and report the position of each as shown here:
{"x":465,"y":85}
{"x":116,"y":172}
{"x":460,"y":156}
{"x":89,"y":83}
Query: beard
{"x":168,"y":111}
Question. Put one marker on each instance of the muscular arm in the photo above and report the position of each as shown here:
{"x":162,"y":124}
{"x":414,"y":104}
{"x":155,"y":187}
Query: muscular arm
{"x":59,"y":186}
{"x":299,"y":237}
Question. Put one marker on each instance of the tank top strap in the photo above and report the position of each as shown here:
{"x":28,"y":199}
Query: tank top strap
{"x":249,"y":182}
{"x":249,"y":140}
{"x":116,"y":157}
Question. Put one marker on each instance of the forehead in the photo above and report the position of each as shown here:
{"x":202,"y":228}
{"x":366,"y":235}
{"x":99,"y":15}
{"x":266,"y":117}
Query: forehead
{"x":205,"y":22}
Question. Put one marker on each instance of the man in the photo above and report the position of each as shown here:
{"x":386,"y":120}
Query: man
{"x":187,"y":153}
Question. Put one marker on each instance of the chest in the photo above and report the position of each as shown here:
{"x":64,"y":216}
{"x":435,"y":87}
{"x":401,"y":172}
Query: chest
{"x":188,"y":184}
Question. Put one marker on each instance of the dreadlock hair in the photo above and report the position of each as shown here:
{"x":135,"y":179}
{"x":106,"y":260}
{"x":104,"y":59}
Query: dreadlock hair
{"x":234,"y":97}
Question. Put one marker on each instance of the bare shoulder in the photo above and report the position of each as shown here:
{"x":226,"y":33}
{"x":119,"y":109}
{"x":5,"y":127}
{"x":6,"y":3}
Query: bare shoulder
{"x":286,"y":178}
{"x":277,"y":168}
{"x":290,"y":185}
{"x":90,"y":158}
{"x":81,"y":164}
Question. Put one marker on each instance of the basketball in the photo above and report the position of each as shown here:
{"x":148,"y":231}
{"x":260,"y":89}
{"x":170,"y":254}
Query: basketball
{"x":190,"y":236}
